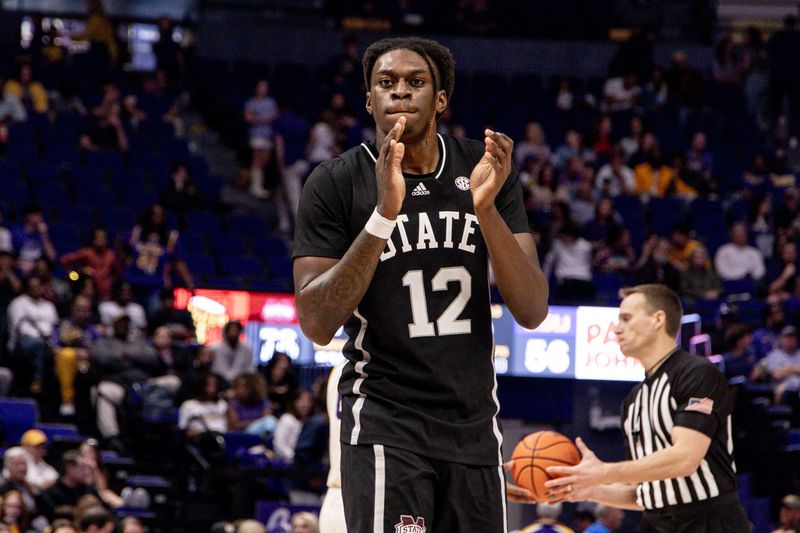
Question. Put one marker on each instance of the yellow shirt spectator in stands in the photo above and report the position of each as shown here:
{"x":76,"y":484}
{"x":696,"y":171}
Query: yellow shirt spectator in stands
{"x":99,"y":29}
{"x":27,"y":90}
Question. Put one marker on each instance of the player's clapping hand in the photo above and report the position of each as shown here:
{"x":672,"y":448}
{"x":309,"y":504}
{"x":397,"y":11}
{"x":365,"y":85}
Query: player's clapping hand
{"x":515,"y":493}
{"x":576,"y":481}
{"x":491,"y":172}
{"x":389,"y":174}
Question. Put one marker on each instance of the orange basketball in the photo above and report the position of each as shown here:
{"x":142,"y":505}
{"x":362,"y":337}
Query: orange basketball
{"x":534,"y":454}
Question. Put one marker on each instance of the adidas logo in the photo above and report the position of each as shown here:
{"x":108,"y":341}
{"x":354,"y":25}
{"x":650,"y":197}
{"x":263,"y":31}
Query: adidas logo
{"x":420,"y":190}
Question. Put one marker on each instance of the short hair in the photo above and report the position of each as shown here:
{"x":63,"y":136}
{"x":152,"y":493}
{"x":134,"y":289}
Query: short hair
{"x":31,"y":209}
{"x":250,"y":526}
{"x":310,"y":518}
{"x":13,"y":453}
{"x":232,"y":324}
{"x":439,"y":59}
{"x":548,"y":510}
{"x":61,"y":523}
{"x":94,"y":516}
{"x":70,"y":458}
{"x":659,"y":298}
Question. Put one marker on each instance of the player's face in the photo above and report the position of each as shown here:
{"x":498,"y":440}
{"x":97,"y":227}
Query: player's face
{"x":636,"y":327}
{"x":402,"y":85}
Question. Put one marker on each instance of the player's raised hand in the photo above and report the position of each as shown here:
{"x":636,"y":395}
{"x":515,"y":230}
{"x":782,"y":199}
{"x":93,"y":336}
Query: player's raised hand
{"x":389,"y":174}
{"x":491,"y":172}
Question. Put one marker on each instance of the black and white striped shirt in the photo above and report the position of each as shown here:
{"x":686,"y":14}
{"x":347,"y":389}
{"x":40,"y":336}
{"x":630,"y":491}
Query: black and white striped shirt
{"x":687,"y":391}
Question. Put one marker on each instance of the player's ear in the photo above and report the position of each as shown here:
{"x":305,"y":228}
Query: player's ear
{"x":368,"y":103}
{"x":441,"y":102}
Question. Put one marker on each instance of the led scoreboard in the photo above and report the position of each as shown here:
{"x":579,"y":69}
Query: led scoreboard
{"x":572,"y":342}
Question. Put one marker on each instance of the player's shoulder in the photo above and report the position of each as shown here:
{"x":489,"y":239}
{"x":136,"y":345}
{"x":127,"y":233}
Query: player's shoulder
{"x":344,"y":166}
{"x":464,"y":147}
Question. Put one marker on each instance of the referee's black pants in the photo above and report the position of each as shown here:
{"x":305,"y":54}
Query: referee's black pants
{"x":717,"y":515}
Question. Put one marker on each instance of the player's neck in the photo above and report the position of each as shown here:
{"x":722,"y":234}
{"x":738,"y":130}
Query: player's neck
{"x":422,"y":157}
{"x":656,"y":354}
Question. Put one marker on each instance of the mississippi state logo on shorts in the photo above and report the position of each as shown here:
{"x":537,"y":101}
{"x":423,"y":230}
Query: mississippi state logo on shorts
{"x":409,"y":524}
{"x":462,"y":182}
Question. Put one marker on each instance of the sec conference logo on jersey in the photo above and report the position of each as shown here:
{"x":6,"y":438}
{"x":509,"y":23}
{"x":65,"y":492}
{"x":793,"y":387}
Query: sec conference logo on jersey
{"x":462,"y":182}
{"x":409,"y":524}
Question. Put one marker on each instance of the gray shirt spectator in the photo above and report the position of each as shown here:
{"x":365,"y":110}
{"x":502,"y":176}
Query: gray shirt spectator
{"x":232,"y":358}
{"x":783,"y":362}
{"x":737,"y":260}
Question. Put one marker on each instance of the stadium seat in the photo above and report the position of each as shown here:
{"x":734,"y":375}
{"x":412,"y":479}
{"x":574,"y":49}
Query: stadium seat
{"x":241,"y":266}
{"x":665,"y":213}
{"x":200,"y":264}
{"x":244,"y":225}
{"x":18,"y":415}
{"x":58,"y":431}
{"x":227,"y":245}
{"x":203,"y":221}
{"x":236,"y":441}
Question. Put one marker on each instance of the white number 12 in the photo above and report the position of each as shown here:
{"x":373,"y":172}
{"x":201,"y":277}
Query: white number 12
{"x":448,"y":323}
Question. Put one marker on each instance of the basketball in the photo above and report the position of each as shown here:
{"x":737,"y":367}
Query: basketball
{"x":534,"y":454}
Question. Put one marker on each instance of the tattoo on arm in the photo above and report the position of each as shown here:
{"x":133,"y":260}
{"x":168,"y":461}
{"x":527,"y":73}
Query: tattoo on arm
{"x":337,"y":292}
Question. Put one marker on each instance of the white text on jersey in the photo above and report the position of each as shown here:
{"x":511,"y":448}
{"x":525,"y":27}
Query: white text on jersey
{"x":426,"y":239}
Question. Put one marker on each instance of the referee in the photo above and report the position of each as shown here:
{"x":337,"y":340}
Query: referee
{"x":677,"y":427}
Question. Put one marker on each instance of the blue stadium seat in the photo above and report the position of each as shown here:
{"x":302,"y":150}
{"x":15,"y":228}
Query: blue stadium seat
{"x":107,"y":159}
{"x":608,"y":286}
{"x":200,"y":264}
{"x":58,"y":431}
{"x":79,"y":214}
{"x":61,"y":154}
{"x":241,"y":266}
{"x":244,"y":225}
{"x":95,"y":195}
{"x":269,"y":247}
{"x":14,"y":191}
{"x":51,"y":193}
{"x":18,"y":415}
{"x":64,"y":233}
{"x":237,"y":441}
{"x":21,"y":153}
{"x":739,"y":286}
{"x":280,"y":267}
{"x":193,"y":242}
{"x":117,"y":217}
{"x":203,"y":221}
{"x":227,"y":245}
{"x":665,"y":213}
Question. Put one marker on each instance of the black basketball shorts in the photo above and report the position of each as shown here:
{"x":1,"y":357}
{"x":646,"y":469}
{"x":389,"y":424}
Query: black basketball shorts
{"x":388,"y":490}
{"x":721,"y":514}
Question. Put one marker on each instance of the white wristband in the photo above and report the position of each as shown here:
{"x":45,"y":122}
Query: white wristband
{"x":379,"y":226}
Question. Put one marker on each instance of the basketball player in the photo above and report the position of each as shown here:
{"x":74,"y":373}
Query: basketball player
{"x":677,"y":426}
{"x":393,"y":241}
{"x":331,"y":516}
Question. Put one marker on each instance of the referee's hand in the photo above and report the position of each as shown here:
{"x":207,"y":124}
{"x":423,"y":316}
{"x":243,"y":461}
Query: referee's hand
{"x":389,"y":173}
{"x":576,"y":481}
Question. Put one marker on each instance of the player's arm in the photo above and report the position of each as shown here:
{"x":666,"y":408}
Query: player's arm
{"x":682,"y":459}
{"x":515,"y":261}
{"x":327,"y":290}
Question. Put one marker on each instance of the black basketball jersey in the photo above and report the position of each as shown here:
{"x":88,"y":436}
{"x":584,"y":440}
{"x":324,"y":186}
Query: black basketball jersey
{"x":687,"y":391}
{"x":421,"y":374}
